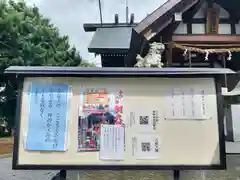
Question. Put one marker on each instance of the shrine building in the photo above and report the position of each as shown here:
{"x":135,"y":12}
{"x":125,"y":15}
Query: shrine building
{"x":189,"y":26}
{"x":195,"y":33}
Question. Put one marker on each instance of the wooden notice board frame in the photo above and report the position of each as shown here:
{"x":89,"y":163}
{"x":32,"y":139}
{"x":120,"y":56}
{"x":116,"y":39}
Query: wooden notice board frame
{"x":20,"y":73}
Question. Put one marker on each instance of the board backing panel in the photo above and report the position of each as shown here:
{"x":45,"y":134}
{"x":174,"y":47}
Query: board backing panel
{"x":183,"y":143}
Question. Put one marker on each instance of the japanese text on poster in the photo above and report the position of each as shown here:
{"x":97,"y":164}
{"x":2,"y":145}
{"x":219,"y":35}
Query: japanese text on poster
{"x":146,"y":146}
{"x":112,"y":143}
{"x":97,"y":106}
{"x":186,"y":104}
{"x":47,"y":124}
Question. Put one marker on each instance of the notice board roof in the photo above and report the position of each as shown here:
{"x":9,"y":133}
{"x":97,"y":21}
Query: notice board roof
{"x":106,"y":71}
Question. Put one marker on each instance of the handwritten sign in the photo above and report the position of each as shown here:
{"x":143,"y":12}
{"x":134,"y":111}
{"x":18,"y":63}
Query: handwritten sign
{"x":47,"y":117}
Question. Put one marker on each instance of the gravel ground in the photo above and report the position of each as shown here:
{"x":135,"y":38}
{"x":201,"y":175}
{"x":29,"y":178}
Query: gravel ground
{"x":6,"y":172}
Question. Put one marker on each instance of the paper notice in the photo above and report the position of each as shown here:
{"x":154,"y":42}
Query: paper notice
{"x":47,"y":123}
{"x":144,"y":119}
{"x":146,"y":147}
{"x":184,"y":103}
{"x":112,"y":142}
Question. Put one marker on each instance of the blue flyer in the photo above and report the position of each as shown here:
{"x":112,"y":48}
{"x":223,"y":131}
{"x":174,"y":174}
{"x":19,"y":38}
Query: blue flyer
{"x":47,"y":120}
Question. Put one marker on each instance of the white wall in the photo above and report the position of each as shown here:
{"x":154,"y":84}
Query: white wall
{"x":224,"y":29}
{"x":181,"y":29}
{"x":198,"y":28}
{"x":237,"y":28}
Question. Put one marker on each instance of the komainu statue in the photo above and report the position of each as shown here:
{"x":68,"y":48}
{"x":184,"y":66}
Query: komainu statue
{"x":153,"y":58}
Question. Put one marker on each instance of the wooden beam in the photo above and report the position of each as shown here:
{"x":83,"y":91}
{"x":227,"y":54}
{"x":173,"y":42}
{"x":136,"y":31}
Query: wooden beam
{"x":163,"y":16}
{"x":207,"y":38}
{"x":204,"y":21}
{"x":156,"y":29}
{"x":169,"y":30}
{"x":212,"y":25}
{"x":210,"y":4}
{"x":89,"y":27}
{"x":233,"y":28}
{"x":188,"y":15}
{"x":233,"y":18}
{"x":169,"y":54}
{"x":159,"y":12}
{"x":189,"y":28}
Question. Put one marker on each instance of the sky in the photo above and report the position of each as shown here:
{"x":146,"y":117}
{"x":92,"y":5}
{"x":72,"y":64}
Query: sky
{"x":70,"y":15}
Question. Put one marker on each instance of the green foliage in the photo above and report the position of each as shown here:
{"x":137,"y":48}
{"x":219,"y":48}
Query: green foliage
{"x":29,"y":39}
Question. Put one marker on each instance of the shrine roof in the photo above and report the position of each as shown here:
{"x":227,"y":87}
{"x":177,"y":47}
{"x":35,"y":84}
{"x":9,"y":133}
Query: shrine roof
{"x":111,"y":38}
{"x":90,"y":27}
{"x":163,"y":15}
{"x":114,"y":40}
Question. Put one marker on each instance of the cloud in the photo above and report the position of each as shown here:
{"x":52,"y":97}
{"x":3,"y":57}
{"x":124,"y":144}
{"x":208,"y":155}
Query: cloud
{"x":70,"y":15}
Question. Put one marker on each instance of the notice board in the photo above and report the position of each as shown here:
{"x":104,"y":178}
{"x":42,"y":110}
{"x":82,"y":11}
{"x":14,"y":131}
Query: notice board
{"x":90,"y":123}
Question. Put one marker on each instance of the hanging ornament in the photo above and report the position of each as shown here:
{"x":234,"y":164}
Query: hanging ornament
{"x":185,"y":52}
{"x":206,"y":56}
{"x":229,"y":56}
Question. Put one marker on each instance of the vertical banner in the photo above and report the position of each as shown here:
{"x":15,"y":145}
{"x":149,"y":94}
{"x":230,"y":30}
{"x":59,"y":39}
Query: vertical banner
{"x":47,"y":120}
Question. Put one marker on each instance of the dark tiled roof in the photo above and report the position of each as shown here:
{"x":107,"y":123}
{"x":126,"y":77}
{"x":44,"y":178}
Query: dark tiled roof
{"x":89,"y":27}
{"x":111,"y":39}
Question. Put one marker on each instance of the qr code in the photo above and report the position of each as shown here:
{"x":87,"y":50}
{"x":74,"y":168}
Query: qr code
{"x":144,"y":119}
{"x":156,"y":145}
{"x":146,"y":146}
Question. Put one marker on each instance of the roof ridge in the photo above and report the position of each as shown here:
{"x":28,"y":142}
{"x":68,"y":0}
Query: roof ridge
{"x":168,"y":2}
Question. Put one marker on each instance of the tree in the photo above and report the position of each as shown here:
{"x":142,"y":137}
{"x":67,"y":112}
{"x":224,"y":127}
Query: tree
{"x":29,"y":39}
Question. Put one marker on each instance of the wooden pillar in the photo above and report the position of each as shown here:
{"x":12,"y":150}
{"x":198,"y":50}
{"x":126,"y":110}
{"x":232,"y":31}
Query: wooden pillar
{"x":224,"y":66}
{"x":212,"y":24}
{"x":169,"y":49}
{"x":62,"y":174}
{"x":176,"y":175}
